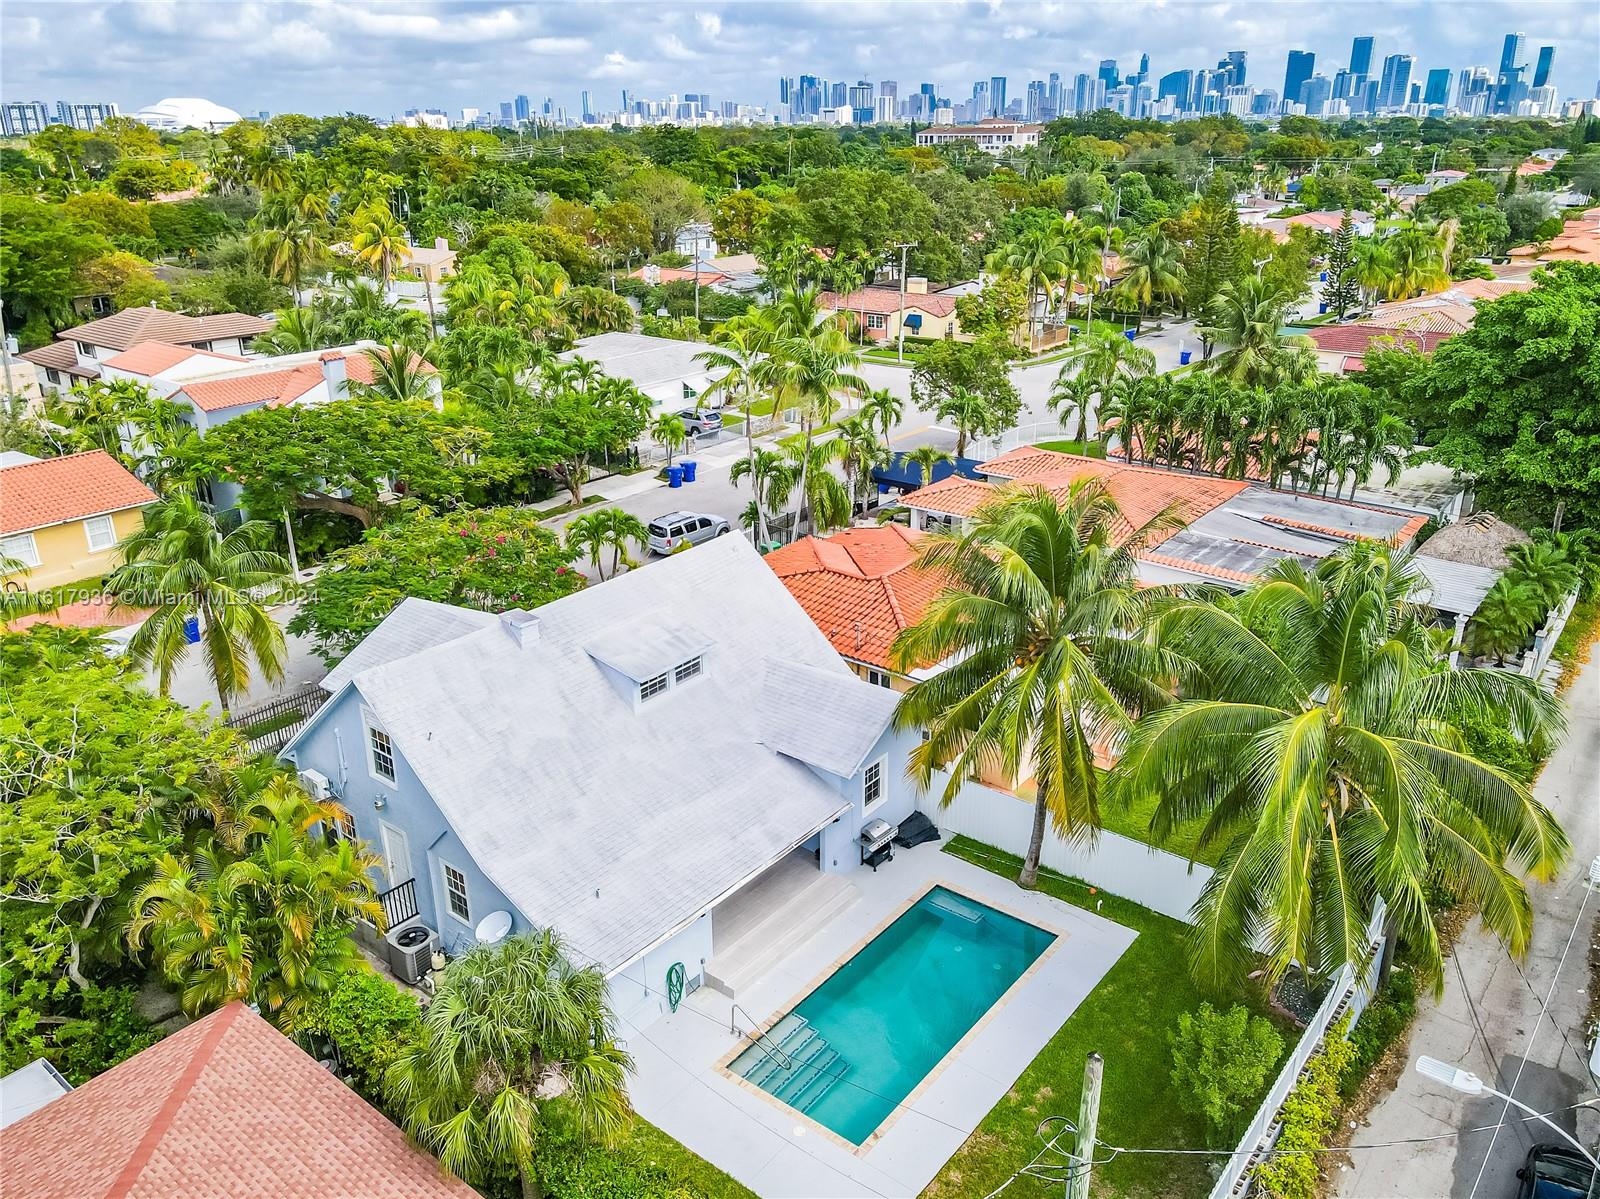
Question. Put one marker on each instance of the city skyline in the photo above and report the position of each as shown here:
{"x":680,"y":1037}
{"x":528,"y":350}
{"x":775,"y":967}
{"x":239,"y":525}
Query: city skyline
{"x":485,"y":53}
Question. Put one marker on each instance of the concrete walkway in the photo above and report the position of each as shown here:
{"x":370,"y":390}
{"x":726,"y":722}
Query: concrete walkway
{"x":1490,"y":1020}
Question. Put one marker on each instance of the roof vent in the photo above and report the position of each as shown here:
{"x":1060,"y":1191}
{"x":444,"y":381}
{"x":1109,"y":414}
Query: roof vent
{"x":522,"y":625}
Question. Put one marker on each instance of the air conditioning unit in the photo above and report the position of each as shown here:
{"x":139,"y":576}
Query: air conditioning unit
{"x":411,"y":948}
{"x":316,"y":783}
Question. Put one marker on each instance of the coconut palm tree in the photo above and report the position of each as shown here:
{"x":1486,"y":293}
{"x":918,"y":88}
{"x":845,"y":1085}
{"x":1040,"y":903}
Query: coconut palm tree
{"x":1039,"y":260}
{"x":287,"y":250}
{"x":1372,"y":266}
{"x":1072,"y":394}
{"x":1419,"y":263}
{"x":1246,"y":319}
{"x":861,"y":451}
{"x":298,"y":330}
{"x":772,"y":478}
{"x":1152,"y":273}
{"x":259,"y":908}
{"x":379,"y":241}
{"x":512,"y":1029}
{"x":399,"y":374}
{"x":667,"y":430}
{"x":883,"y":409}
{"x":734,"y":353}
{"x":968,"y":411}
{"x":181,"y":565}
{"x":823,"y":499}
{"x":1040,"y":629}
{"x":1321,"y":741}
{"x":1110,"y":358}
{"x":925,"y":458}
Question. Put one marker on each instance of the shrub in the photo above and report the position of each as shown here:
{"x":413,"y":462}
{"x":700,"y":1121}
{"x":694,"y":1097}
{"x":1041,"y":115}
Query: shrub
{"x":1309,"y":1116}
{"x":370,"y":1021}
{"x":1221,"y":1062}
{"x":1383,"y":1023}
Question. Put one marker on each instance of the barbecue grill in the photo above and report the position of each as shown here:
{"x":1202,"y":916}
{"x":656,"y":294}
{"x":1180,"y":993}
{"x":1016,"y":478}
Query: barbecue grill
{"x":877,"y":842}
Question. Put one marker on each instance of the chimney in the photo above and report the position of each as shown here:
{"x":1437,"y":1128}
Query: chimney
{"x":522,"y":625}
{"x":916,"y":285}
{"x":441,"y":243}
{"x":336,"y":374}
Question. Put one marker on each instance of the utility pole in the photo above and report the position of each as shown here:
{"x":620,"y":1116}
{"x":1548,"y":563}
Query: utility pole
{"x":903,"y":246}
{"x":1088,"y":1118}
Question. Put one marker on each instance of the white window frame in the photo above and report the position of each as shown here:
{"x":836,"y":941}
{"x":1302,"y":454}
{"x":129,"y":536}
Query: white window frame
{"x":653,"y":688}
{"x":89,"y":525}
{"x":867,"y":784}
{"x":879,"y":677}
{"x":683,"y":672}
{"x":373,"y":732}
{"x":445,"y":871}
{"x":877,"y":320}
{"x":29,"y":557}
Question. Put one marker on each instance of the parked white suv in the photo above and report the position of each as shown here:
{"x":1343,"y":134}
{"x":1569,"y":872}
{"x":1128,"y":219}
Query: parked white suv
{"x":697,"y":421}
{"x":675,"y":529}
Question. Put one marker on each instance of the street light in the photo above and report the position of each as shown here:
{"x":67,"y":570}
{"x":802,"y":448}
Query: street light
{"x":1469,"y":1083}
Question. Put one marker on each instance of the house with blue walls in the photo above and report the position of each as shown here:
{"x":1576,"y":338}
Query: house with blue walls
{"x":618,"y":764}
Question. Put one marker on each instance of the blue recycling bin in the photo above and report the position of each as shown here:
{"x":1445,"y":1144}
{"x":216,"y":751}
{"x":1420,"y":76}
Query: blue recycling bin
{"x":1128,"y":333}
{"x":674,"y":476}
{"x":191,"y":630}
{"x":1322,"y":309}
{"x":1323,"y":277}
{"x":688,"y":470}
{"x":1184,"y":356}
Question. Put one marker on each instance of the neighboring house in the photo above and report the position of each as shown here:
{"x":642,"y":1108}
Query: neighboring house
{"x":878,"y":312}
{"x":1578,"y":241}
{"x":432,"y":264}
{"x":62,"y":518}
{"x":78,"y":353}
{"x":860,"y":587}
{"x":1342,"y":349}
{"x":663,"y":368}
{"x":992,"y":136}
{"x":656,"y":276}
{"x":615,"y":765}
{"x":1464,"y":560}
{"x":28,"y":1088}
{"x":1449,"y":311}
{"x":227,"y":1108}
{"x":1362,"y":223}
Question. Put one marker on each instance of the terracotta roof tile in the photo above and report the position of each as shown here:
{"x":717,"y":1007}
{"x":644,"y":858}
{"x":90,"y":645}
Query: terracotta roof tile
{"x":60,"y":356}
{"x":51,"y":491}
{"x":227,"y":1107}
{"x":272,"y":388}
{"x":1358,"y":339}
{"x":126,"y":329}
{"x":886,"y":300}
{"x":679,"y":274}
{"x":152,"y":357}
{"x":860,"y":586}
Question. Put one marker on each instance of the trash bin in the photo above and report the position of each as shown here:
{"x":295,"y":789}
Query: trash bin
{"x":1128,"y":333}
{"x":1184,"y":356}
{"x":674,"y":476}
{"x":688,"y":470}
{"x":191,"y":630}
{"x":1322,"y":309}
{"x":1323,"y":278}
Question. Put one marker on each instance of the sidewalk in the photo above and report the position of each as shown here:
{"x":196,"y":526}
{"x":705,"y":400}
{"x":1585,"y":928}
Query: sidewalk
{"x":1491,"y":1020}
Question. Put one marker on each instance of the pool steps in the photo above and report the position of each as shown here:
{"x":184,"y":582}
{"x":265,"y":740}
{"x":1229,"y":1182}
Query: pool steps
{"x":813,"y":1066}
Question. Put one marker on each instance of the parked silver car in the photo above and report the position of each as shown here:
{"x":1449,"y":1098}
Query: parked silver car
{"x":698,"y":421}
{"x":675,"y":529}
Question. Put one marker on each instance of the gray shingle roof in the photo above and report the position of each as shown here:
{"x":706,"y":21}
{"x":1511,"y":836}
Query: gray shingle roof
{"x":822,"y":717}
{"x":415,"y":625}
{"x":613,"y":821}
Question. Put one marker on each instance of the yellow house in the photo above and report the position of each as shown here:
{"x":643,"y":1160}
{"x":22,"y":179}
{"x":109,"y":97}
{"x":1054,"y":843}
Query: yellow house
{"x":63,"y":518}
{"x":878,"y":312}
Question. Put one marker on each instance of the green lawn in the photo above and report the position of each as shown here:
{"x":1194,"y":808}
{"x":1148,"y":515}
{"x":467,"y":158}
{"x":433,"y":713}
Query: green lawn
{"x":1092,"y":449}
{"x":1126,"y":1020}
{"x":1134,"y":821}
{"x":692,"y":1176}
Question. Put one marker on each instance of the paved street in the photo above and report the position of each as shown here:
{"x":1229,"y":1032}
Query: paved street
{"x":1490,"y":1022}
{"x":192,"y":685}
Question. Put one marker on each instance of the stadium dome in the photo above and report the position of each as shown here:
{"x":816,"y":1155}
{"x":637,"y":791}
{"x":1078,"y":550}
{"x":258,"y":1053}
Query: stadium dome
{"x":179,"y":113}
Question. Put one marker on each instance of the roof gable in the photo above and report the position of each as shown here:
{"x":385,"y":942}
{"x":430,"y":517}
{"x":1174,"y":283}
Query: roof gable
{"x":52,"y":491}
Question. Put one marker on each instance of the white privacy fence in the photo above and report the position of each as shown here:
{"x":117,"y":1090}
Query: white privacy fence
{"x":1153,"y":878}
{"x":1352,"y":990}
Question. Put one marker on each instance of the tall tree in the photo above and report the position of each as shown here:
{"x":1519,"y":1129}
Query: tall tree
{"x":1043,"y":664}
{"x":379,"y":241}
{"x":1246,"y":320}
{"x":1214,"y":259}
{"x":1343,"y":290}
{"x":1321,"y":740}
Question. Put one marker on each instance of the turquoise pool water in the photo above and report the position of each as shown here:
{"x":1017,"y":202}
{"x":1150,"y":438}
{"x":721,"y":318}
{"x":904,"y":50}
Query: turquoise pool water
{"x":872,"y":1030}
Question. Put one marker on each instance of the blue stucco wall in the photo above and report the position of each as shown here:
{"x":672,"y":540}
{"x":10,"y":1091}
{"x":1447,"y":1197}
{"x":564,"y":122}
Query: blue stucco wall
{"x":839,"y":847}
{"x":337,"y":746}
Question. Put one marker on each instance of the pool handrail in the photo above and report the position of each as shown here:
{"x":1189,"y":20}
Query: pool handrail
{"x":757,"y":1038}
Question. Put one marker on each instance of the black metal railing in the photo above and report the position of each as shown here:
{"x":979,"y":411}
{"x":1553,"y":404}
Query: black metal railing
{"x":399,"y":904}
{"x":268,"y":727}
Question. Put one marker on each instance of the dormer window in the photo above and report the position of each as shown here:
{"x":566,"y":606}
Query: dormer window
{"x":651,"y":688}
{"x":688,"y":670}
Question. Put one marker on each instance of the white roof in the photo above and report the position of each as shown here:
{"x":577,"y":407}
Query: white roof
{"x":28,"y":1088}
{"x":822,"y":716}
{"x":1454,"y":587}
{"x":615,"y":821}
{"x":417,"y":624}
{"x":644,"y":360}
{"x":176,"y":113}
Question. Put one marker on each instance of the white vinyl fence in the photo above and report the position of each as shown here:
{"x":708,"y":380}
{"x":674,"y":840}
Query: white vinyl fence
{"x":1352,"y":990}
{"x":1153,"y":878}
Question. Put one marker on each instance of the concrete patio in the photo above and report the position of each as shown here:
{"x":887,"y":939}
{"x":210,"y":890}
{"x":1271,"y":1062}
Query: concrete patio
{"x":775,"y":1151}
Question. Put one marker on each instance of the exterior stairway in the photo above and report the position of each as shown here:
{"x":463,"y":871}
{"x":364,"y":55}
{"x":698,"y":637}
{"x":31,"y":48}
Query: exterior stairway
{"x":793,"y":1062}
{"x":757,"y":928}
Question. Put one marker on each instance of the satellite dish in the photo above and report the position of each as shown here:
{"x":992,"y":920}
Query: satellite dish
{"x":493,"y":928}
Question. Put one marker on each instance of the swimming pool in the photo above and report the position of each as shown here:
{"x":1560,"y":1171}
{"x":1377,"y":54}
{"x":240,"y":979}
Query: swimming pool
{"x":868,"y":1034}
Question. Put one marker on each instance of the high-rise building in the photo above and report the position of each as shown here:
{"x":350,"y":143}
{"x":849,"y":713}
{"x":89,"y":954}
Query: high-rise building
{"x":1315,"y":94}
{"x":997,"y":96}
{"x":1511,"y":51}
{"x":1438,"y":89}
{"x":1107,"y":74}
{"x":87,"y":117}
{"x":1083,"y":93}
{"x":785,"y":90}
{"x":1036,"y":100}
{"x":891,"y":89}
{"x":1300,"y":66}
{"x":1361,"y":56}
{"x":22,"y":117}
{"x":583,"y":99}
{"x":1144,"y":67}
{"x":1234,"y":66}
{"x":862,"y":109}
{"x":1547,"y":60}
{"x":1474,"y":87}
{"x":1394,"y":89}
{"x":506,"y":112}
{"x":523,"y":109}
{"x":1509,"y":85}
{"x":1179,"y":85}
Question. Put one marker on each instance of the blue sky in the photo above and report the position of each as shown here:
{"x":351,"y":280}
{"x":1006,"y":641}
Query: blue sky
{"x":380,"y":58}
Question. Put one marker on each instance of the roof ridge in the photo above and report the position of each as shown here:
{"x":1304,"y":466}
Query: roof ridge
{"x":222,"y":1021}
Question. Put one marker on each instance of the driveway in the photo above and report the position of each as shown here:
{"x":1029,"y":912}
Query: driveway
{"x":1492,"y":1022}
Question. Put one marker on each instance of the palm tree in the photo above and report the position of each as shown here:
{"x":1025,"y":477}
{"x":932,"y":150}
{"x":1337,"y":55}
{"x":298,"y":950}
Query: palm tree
{"x":1505,"y":618}
{"x":1372,"y":266}
{"x":1040,"y":629}
{"x":379,"y":241}
{"x":968,"y":411}
{"x":180,"y":564}
{"x":1546,"y":566}
{"x":398,"y":375}
{"x":259,"y":908}
{"x":1419,"y":263}
{"x":586,"y":536}
{"x":1152,"y":272}
{"x":1072,"y":394}
{"x":1247,"y":320}
{"x":668,"y":431}
{"x":617,"y":529}
{"x":1321,"y":740}
{"x":860,"y":452}
{"x":1110,"y":358}
{"x":1039,"y":260}
{"x":925,"y":458}
{"x":772,"y":478}
{"x":288,"y":249}
{"x":298,"y":330}
{"x":734,"y":353}
{"x":883,"y":409}
{"x":823,"y":498}
{"x":512,"y":1028}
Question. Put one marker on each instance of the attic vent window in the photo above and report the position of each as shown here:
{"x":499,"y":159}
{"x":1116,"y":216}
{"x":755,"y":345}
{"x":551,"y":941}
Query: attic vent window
{"x":651,"y":688}
{"x":687,"y":670}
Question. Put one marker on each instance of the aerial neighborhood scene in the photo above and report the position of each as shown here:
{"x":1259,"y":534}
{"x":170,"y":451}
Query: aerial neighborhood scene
{"x":997,"y":600}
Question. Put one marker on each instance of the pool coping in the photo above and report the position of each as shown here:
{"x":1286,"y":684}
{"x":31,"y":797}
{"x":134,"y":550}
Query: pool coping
{"x":903,"y":1105}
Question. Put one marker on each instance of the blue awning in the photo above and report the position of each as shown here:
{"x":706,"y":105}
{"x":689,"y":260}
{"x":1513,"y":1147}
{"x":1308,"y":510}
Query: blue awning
{"x":907,"y":476}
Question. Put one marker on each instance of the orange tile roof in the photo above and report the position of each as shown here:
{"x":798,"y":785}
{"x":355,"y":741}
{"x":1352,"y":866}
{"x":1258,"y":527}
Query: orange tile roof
{"x":35,"y":495}
{"x":274,"y":388}
{"x":680,"y":274}
{"x":226,"y":1107}
{"x":860,"y":586}
{"x":952,"y":495}
{"x":96,"y":613}
{"x":126,"y":329}
{"x":886,"y":300}
{"x":152,"y":357}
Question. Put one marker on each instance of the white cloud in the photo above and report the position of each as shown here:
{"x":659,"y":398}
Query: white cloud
{"x":671,"y":46}
{"x":710,"y":24}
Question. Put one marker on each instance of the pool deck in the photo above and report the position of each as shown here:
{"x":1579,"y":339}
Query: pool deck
{"x":679,"y":1083}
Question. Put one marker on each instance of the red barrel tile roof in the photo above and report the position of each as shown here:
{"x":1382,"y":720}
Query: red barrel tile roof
{"x":35,"y":495}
